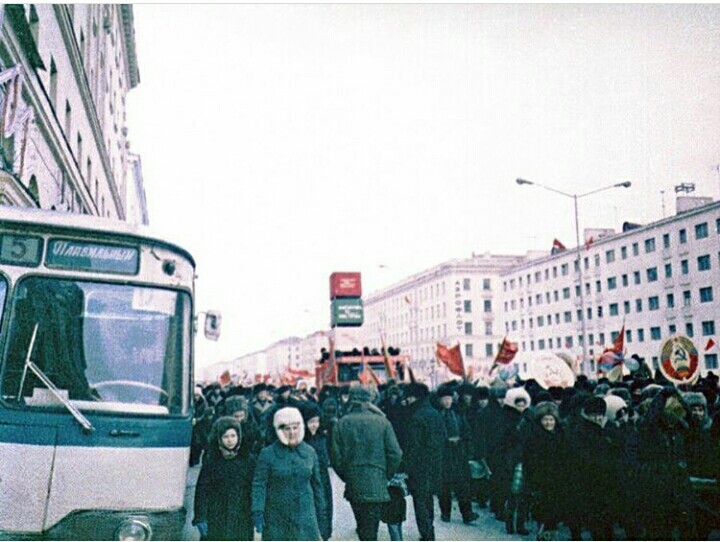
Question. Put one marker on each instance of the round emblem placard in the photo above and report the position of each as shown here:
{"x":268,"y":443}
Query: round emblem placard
{"x":679,"y":360}
{"x":550,"y":370}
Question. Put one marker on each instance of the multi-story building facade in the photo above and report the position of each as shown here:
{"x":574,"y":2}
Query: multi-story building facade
{"x":454,"y":302}
{"x":657,"y":280}
{"x":65,"y":71}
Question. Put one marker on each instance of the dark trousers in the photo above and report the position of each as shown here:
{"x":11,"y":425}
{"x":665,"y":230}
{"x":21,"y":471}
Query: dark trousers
{"x":461,"y":492}
{"x":424,"y":514}
{"x":367,"y":517}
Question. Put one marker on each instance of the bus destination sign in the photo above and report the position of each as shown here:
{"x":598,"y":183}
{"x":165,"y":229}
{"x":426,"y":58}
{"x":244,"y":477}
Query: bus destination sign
{"x":68,"y":254}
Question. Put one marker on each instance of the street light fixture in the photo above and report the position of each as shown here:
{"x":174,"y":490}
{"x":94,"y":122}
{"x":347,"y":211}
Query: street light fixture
{"x":575,"y":198}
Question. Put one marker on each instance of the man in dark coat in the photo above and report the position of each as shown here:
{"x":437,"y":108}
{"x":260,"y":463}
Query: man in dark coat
{"x":455,"y":461}
{"x":365,"y":454}
{"x":423,"y":457}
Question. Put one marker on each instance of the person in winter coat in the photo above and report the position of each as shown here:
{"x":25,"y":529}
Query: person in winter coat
{"x":287,"y":492}
{"x":544,"y":464}
{"x":702,"y":457}
{"x":365,"y":454}
{"x":423,"y":457}
{"x":222,"y":494}
{"x":480,"y":423}
{"x":593,"y":473}
{"x":315,"y":437}
{"x":663,"y":485}
{"x":456,"y":475}
{"x":504,"y":451}
{"x":239,"y":407}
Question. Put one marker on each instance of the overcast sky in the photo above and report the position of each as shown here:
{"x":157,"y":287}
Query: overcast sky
{"x":281,"y":143}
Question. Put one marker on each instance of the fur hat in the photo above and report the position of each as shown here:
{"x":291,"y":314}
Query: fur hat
{"x":287,"y":415}
{"x":594,"y":406}
{"x":694,"y":398}
{"x":444,"y":391}
{"x":613,"y":405}
{"x":417,"y":390}
{"x":482,"y":393}
{"x":283,"y":389}
{"x":220,"y":427}
{"x":547,"y":408}
{"x":360,"y":394}
{"x":515,"y":394}
{"x":310,"y":411}
{"x":236,"y":403}
{"x":257,"y":388}
{"x":466,"y":389}
{"x":556,"y":392}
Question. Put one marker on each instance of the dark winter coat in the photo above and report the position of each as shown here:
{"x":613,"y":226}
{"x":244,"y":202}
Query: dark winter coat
{"x":320,"y":445}
{"x":503,"y":445}
{"x":365,"y":453}
{"x":222,"y":496}
{"x":545,"y":465}
{"x":663,"y":483}
{"x":287,"y":489}
{"x":423,"y":457}
{"x":455,"y":454}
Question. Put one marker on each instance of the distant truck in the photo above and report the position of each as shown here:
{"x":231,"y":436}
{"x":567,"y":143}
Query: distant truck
{"x":348,"y":367}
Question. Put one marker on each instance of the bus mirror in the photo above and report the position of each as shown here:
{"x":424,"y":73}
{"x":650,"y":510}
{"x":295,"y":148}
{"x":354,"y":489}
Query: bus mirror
{"x":213,"y":319}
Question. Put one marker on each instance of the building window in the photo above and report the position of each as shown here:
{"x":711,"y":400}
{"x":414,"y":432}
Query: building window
{"x":540,"y":321}
{"x":701,"y":230}
{"x":666,"y":240}
{"x":684,"y":267}
{"x":682,"y":236}
{"x":556,"y":296}
{"x":588,"y":312}
{"x":711,"y":361}
{"x":649,"y":245}
{"x":469,"y":350}
{"x":706,"y":294}
{"x":628,"y":335}
{"x":625,"y":280}
{"x":566,"y":293}
{"x":541,"y":344}
{"x":488,"y":350}
{"x":626,"y":307}
{"x":611,"y":283}
{"x":704,"y":262}
{"x":468,"y":328}
{"x":641,"y":335}
{"x":653,"y":303}
{"x":613,"y":309}
{"x":600,"y":311}
{"x":668,"y":271}
{"x":79,"y":149}
{"x":654,"y":333}
{"x":487,"y":305}
{"x":486,"y":284}
{"x":568,"y":342}
{"x":466,"y":284}
{"x":610,"y":256}
{"x":686,"y":298}
{"x":689,"y":331}
{"x":554,"y":271}
{"x":598,"y":286}
{"x":578,"y":290}
{"x":567,"y":316}
{"x":652,"y":274}
{"x":564,"y":269}
{"x":586,"y":263}
{"x":670,"y":301}
{"x":467,"y":305}
{"x":623,"y":253}
{"x":636,"y":277}
{"x":597,"y":260}
{"x":672,"y":329}
{"x":708,"y":328}
{"x":489,"y":328}
{"x":635,"y":249}
{"x":638,"y":305}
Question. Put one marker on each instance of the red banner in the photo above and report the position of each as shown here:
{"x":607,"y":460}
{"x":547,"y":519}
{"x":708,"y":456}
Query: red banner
{"x":452,"y":358}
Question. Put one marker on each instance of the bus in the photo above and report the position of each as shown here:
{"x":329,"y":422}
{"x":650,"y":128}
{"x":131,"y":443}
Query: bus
{"x":96,"y":363}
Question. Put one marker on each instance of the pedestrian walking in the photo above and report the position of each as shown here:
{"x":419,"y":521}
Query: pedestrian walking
{"x":365,"y":454}
{"x":423,"y":458}
{"x":222,"y":493}
{"x":287,"y":492}
{"x":316,"y":437}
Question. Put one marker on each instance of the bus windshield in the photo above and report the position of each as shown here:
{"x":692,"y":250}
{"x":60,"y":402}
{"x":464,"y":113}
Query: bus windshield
{"x":107,"y":347}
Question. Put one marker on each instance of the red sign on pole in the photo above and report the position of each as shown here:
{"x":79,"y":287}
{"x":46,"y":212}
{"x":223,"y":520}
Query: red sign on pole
{"x":345,"y":285}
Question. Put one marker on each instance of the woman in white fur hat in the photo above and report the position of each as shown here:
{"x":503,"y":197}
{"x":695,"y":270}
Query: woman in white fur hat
{"x":287,"y":494}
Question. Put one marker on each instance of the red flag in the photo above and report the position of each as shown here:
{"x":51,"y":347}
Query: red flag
{"x":557,"y":245}
{"x":710,"y":344}
{"x":364,"y":376}
{"x":388,"y":365}
{"x":374,"y":376}
{"x":619,"y":344}
{"x":506,"y":353}
{"x":452,"y":358}
{"x":589,"y":242}
{"x":328,"y":372}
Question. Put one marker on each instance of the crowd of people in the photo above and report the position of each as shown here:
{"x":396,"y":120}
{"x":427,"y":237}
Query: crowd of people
{"x":635,"y":460}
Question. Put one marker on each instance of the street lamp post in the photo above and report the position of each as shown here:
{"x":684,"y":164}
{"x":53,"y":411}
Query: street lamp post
{"x":578,"y":256}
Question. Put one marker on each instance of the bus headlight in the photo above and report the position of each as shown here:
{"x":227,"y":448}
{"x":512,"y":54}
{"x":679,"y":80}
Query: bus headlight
{"x":133,"y":529}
